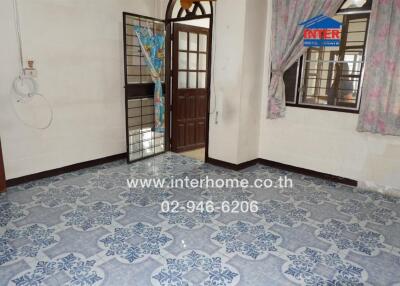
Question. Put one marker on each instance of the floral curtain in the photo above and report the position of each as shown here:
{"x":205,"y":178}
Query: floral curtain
{"x":380,"y":107}
{"x":287,"y":42}
{"x":154,"y":49}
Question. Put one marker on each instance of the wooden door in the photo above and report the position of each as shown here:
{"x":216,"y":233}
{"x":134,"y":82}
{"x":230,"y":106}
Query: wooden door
{"x":189,"y":87}
{"x":2,"y":173}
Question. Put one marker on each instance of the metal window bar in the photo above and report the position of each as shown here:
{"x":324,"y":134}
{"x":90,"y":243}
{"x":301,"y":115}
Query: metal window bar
{"x":137,"y":71}
{"x":342,"y":70}
{"x":142,"y":140}
{"x":315,"y":81}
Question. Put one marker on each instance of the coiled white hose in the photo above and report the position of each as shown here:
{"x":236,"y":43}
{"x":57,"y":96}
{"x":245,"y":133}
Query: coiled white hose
{"x":26,"y":87}
{"x":25,"y":122}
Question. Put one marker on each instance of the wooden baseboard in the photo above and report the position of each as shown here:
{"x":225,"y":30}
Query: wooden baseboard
{"x":308,"y":172}
{"x":66,"y":169}
{"x":227,"y":165}
{"x":231,"y":166}
{"x":282,"y":166}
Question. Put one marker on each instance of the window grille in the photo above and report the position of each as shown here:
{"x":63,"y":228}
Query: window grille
{"x":331,"y":77}
{"x":136,"y":69}
{"x":142,"y":139}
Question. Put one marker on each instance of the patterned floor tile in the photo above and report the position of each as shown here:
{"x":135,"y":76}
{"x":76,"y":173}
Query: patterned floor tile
{"x":96,"y":194}
{"x":7,"y":272}
{"x":195,"y":268}
{"x":135,"y":243}
{"x":382,"y":269}
{"x":342,"y":193}
{"x":189,"y":220}
{"x":226,"y":195}
{"x":351,"y":236}
{"x":68,"y":269}
{"x":186,"y":194}
{"x":72,"y":240}
{"x":19,"y":195}
{"x":10,"y":211}
{"x":308,"y":194}
{"x":89,"y":228}
{"x":310,"y":266}
{"x":368,"y":211}
{"x":117,"y":273}
{"x":226,"y":218}
{"x":59,"y":196}
{"x":82,"y":180}
{"x":297,"y":237}
{"x":192,"y":239}
{"x":92,"y":216}
{"x":42,"y":215}
{"x":325,"y":211}
{"x":261,"y":195}
{"x":286,"y":214}
{"x":247,"y":240}
{"x":145,"y":197}
{"x":390,"y":232}
{"x":25,"y":242}
{"x":262,"y":272}
{"x":379,"y":197}
{"x":140,"y":214}
{"x":108,"y":180}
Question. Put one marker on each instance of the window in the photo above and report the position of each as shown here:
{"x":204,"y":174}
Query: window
{"x":331,"y":77}
{"x":192,"y":58}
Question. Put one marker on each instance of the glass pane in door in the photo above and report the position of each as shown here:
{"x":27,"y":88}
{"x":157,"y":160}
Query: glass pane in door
{"x":192,"y":80}
{"x":193,"y":61}
{"x":183,"y":60}
{"x":202,"y":62}
{"x":183,"y":41}
{"x":193,"y":42}
{"x":202,"y":79}
{"x":202,"y":43}
{"x":182,"y":80}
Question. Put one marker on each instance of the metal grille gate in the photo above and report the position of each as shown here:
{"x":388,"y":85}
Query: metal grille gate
{"x":142,"y":140}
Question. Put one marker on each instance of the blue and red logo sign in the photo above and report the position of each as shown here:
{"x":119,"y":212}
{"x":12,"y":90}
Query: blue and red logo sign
{"x":322,"y":31}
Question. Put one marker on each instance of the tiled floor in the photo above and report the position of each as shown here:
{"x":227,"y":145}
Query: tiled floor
{"x":198,"y":154}
{"x":89,"y":228}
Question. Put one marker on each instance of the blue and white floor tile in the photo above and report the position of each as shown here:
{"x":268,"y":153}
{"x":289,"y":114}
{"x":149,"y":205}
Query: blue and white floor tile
{"x":89,"y":228}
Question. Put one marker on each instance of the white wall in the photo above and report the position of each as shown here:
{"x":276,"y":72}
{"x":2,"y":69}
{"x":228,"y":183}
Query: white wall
{"x":237,"y":80}
{"x":77,"y":46}
{"x":252,"y":79}
{"x":228,"y":41}
{"x":328,"y":142}
{"x":78,"y":50}
{"x":203,"y":23}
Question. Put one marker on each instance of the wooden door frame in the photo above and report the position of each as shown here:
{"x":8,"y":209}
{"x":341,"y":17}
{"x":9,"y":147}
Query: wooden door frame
{"x":169,"y":21}
{"x":197,"y":92}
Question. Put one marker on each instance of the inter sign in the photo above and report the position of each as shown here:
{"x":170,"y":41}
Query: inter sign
{"x":322,"y":31}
